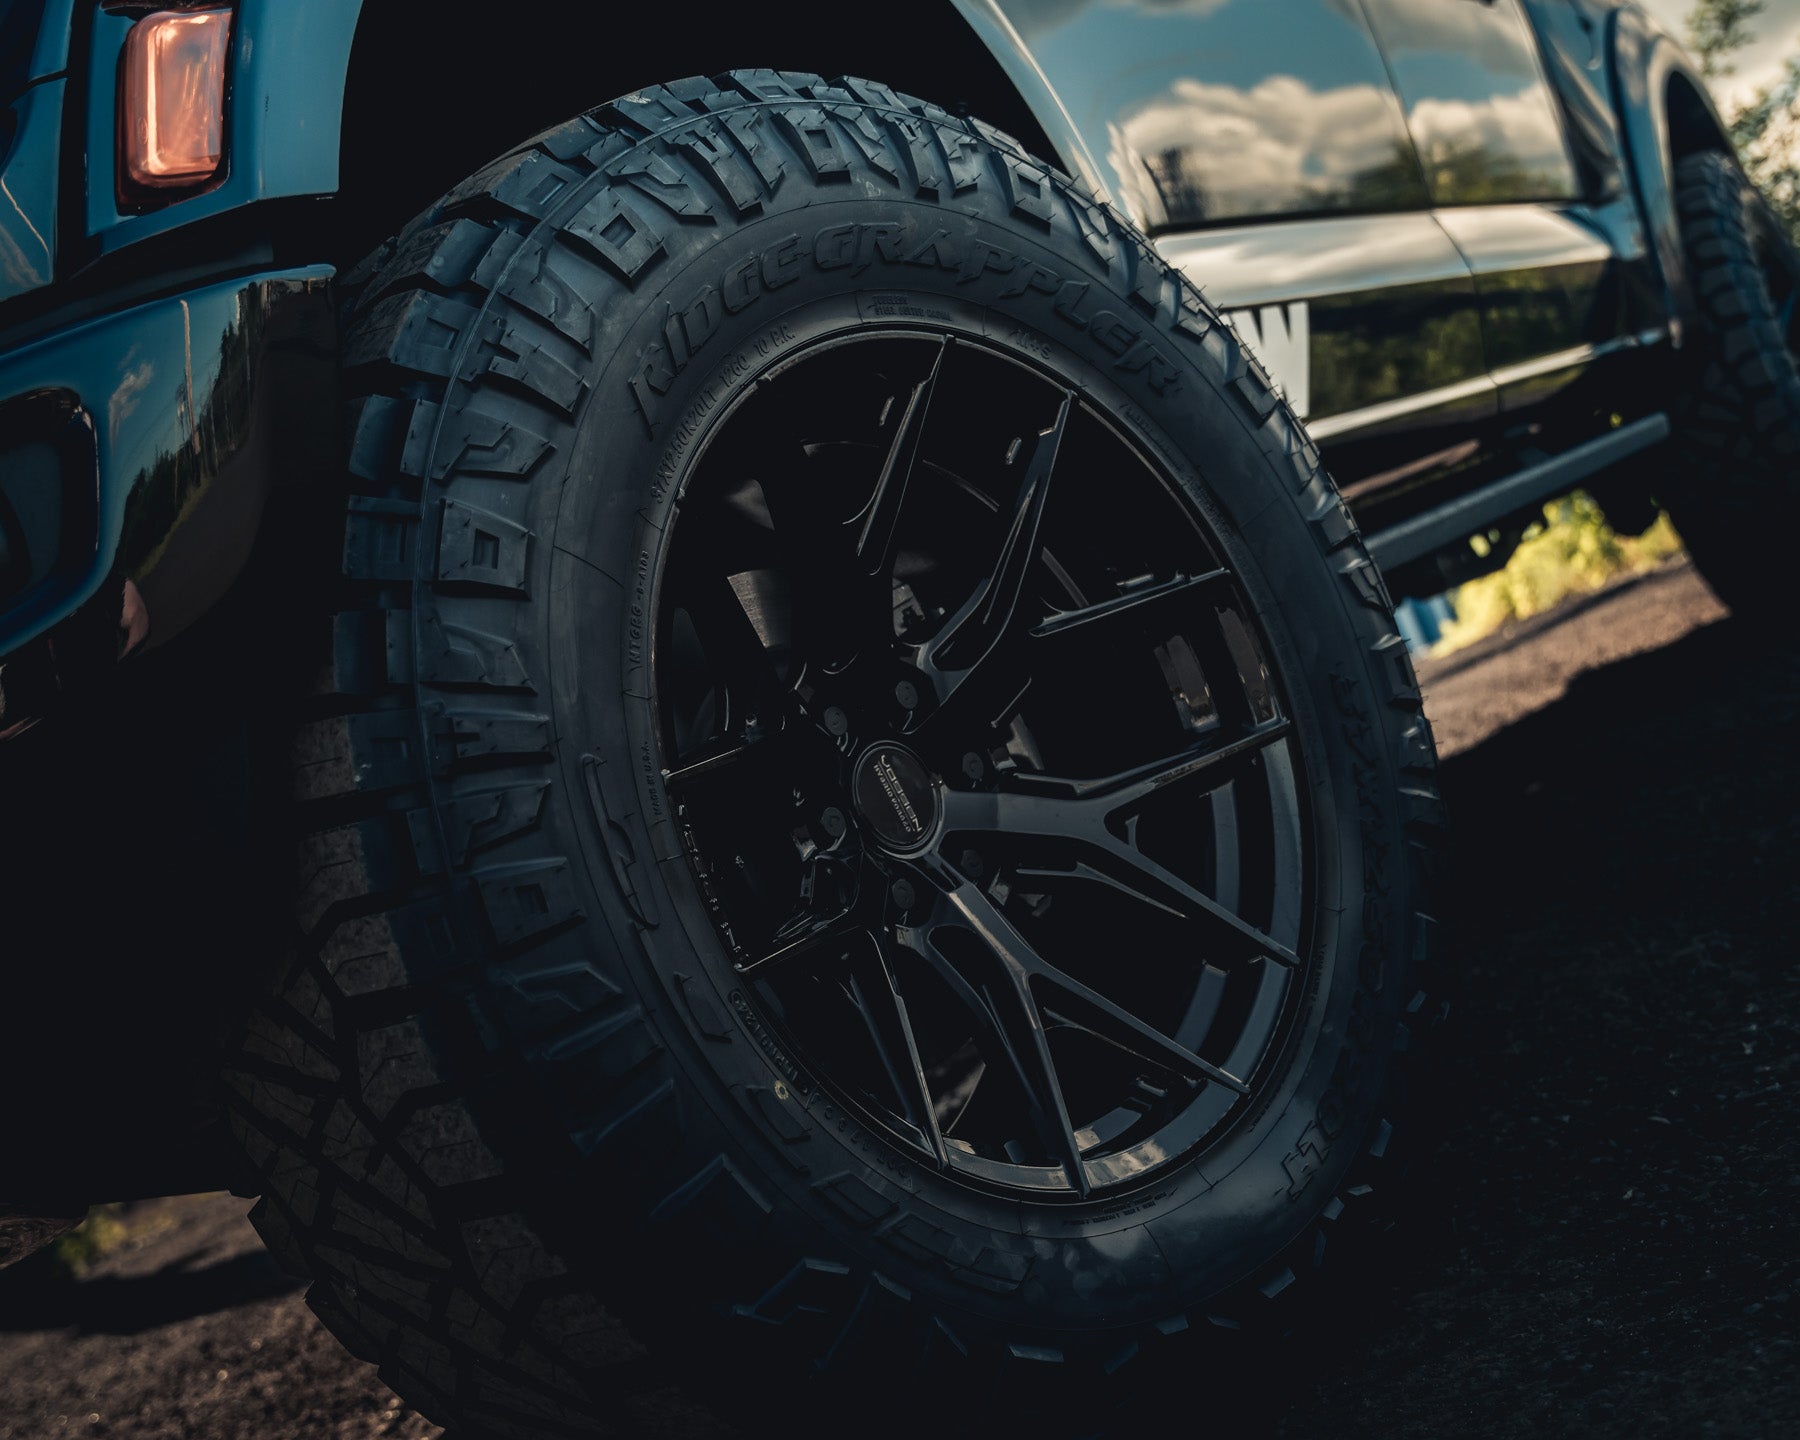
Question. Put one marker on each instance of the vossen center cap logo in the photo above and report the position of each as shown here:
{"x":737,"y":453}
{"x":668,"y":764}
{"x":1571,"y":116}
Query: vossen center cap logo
{"x":895,"y":796}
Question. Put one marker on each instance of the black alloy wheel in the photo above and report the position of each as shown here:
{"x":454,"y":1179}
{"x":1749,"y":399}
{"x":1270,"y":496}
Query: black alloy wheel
{"x":934,"y":752}
{"x":865,"y":813}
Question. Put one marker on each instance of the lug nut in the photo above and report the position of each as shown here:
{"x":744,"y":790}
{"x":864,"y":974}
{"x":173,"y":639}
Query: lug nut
{"x":907,"y":694}
{"x":903,"y":894}
{"x":833,"y":821}
{"x":836,"y":721}
{"x":971,"y":864}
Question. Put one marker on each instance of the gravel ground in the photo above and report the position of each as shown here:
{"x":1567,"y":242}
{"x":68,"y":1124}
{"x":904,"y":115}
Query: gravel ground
{"x":1601,"y":1243}
{"x":186,"y":1331}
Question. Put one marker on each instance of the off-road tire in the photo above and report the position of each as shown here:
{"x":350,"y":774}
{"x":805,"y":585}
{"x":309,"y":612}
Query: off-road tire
{"x":1737,"y":494}
{"x":499,"y":1085}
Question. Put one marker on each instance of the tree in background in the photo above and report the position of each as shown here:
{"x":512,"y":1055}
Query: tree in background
{"x":1766,"y":127}
{"x":1716,"y":28}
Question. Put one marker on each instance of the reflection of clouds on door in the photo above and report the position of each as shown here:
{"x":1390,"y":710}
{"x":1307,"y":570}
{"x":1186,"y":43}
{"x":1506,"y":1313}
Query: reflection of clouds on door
{"x":1280,"y":145}
{"x":134,"y":380}
{"x":1217,"y":152}
{"x":1519,"y":126}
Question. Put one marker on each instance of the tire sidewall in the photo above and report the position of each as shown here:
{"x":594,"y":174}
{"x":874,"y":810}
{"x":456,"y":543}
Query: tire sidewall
{"x":1197,"y":1230}
{"x":1732,"y":488}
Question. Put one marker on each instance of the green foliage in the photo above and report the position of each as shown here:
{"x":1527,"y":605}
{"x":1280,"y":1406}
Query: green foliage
{"x":1574,"y":552}
{"x":1766,"y":132}
{"x":100,"y":1232}
{"x":1766,"y":127}
{"x":1718,"y":27}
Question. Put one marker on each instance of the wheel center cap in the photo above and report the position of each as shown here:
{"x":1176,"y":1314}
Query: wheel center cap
{"x":895,"y":796}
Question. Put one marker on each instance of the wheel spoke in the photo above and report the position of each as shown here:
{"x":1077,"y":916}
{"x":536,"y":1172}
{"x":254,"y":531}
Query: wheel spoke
{"x":1004,"y":1006}
{"x":992,"y":613}
{"x":1155,"y":882}
{"x":1055,"y":812}
{"x":1082,"y":871}
{"x":969,"y":663}
{"x":879,"y":522}
{"x":984,"y":695}
{"x":884,"y":1012}
{"x":1106,"y":1018}
{"x":726,"y":761}
{"x":800,"y":940}
{"x":1127,"y":792}
{"x":1136,"y":607}
{"x":842,"y":570}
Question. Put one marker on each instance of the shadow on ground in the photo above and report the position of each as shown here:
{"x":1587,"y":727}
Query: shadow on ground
{"x":1599,"y":1240}
{"x":1602,"y":1241}
{"x":133,"y":1304}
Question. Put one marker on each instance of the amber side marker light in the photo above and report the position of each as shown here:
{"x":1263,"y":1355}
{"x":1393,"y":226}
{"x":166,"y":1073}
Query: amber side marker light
{"x":172,"y":100}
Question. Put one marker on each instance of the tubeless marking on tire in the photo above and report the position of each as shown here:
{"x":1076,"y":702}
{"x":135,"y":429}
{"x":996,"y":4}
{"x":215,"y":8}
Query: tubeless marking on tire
{"x":689,"y":326}
{"x":899,"y":307}
{"x":1139,"y":1205}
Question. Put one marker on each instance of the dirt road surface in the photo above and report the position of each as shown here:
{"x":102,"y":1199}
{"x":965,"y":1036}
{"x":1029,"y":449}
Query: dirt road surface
{"x":1602,"y":1242}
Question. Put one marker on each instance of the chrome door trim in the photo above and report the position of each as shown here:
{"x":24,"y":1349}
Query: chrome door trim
{"x":1333,"y":426}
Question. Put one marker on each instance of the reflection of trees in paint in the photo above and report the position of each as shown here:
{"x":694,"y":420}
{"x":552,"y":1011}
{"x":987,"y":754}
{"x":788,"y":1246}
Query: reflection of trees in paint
{"x":1384,"y":344}
{"x":1533,"y":312}
{"x":215,"y":430}
{"x":1470,"y":173}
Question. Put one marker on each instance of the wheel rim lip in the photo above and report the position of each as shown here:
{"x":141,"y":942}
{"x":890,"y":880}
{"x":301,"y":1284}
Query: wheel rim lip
{"x":1116,"y":1172}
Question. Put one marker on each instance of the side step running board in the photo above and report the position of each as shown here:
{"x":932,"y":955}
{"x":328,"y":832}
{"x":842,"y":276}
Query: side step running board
{"x":1465,"y":516}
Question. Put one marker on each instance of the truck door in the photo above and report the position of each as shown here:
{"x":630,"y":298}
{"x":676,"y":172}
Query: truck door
{"x":1263,"y":146}
{"x":1546,"y":261}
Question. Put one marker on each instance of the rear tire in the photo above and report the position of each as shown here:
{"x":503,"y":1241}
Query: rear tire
{"x":521,"y":1067}
{"x":1737,"y":496}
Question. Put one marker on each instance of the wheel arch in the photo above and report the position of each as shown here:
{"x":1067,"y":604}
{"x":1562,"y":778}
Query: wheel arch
{"x":1689,"y":119}
{"x":1666,"y":114}
{"x":958,"y":53}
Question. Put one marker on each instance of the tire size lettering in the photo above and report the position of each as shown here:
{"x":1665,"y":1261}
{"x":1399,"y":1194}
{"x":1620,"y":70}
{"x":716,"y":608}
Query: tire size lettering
{"x":636,"y":625}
